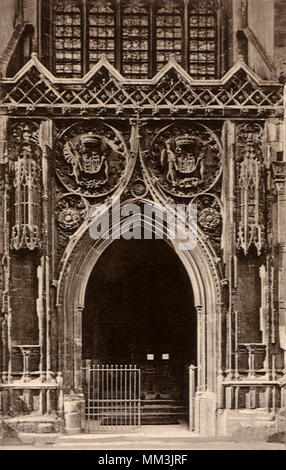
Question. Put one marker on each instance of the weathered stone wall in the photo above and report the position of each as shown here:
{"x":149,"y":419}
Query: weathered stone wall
{"x":248,"y":299}
{"x":261,"y":22}
{"x":30,"y":15}
{"x":7,"y":22}
{"x":280,"y":33}
{"x":23,"y":299}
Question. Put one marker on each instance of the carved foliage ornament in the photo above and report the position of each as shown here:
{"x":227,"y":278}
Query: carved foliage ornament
{"x":250,"y":172}
{"x":91,"y":159}
{"x":71,"y":211}
{"x":185,"y":160}
{"x":209,"y":218}
{"x":26,"y":154}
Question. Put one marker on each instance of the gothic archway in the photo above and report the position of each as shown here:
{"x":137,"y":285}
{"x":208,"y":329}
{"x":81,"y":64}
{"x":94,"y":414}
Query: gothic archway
{"x":80,"y":258}
{"x":139,"y":311}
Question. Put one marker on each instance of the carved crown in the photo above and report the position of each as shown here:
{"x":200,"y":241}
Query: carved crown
{"x":184,"y":140}
{"x":89,"y":138}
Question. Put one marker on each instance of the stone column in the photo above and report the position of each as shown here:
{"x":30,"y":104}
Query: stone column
{"x":74,"y":413}
{"x":5,"y":251}
{"x":279,"y":176}
{"x":3,"y":160}
{"x":229,"y":237}
{"x":46,"y":142}
{"x":276,"y":136}
{"x":78,"y":349}
{"x":200,"y":348}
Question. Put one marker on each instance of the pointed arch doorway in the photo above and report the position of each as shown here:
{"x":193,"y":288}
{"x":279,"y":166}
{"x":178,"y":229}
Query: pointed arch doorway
{"x":139,"y":309}
{"x":82,"y":256}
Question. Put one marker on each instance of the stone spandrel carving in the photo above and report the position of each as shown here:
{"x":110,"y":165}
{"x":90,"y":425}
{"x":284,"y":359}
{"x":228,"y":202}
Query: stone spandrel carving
{"x":209,"y":218}
{"x":91,"y":159}
{"x":185,"y":160}
{"x":23,"y":131}
{"x":70,"y":213}
{"x":250,"y":187}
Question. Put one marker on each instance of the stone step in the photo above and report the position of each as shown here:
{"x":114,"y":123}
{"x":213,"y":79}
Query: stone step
{"x":165,"y":413}
{"x":162,"y":407}
{"x":141,"y":436}
{"x":38,"y":438}
{"x":162,"y":412}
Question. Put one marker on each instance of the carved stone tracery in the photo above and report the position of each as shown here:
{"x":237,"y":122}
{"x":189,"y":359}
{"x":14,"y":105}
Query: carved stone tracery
{"x":27,"y":186}
{"x":173,"y":93}
{"x":250,"y":187}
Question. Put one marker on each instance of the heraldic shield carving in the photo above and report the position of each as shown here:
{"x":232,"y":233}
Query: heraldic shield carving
{"x":91,"y":159}
{"x":185,"y":160}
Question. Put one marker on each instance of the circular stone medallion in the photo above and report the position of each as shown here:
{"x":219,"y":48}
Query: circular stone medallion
{"x":185,"y":160}
{"x":91,"y":159}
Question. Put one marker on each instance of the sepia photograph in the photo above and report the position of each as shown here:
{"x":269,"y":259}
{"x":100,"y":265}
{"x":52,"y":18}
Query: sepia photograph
{"x":143,"y":228}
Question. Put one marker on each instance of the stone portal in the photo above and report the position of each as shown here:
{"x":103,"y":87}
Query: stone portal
{"x":140,"y":310}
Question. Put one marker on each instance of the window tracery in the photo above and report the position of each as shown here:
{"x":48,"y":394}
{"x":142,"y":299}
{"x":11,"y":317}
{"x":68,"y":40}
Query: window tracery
{"x":136,"y":36}
{"x":202,"y":39}
{"x":168,"y":32}
{"x":68,"y":38}
{"x":135,"y":39}
{"x":101,"y":31}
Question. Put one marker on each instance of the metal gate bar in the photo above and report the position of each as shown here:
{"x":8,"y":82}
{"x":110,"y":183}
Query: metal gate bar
{"x":112,"y":395}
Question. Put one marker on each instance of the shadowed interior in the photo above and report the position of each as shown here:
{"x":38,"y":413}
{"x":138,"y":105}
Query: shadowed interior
{"x":140,"y":310}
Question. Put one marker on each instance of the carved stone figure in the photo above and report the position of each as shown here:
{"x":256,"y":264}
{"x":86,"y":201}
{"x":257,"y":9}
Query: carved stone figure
{"x":185,"y":166}
{"x":88,"y":157}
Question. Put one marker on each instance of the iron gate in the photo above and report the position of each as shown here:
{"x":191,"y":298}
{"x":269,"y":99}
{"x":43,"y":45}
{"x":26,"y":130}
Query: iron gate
{"x":112,"y":397}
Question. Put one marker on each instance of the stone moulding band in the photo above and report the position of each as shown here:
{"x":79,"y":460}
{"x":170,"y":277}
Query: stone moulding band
{"x":103,"y":91}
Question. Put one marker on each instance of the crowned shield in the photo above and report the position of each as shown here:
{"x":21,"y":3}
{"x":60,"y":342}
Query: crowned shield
{"x":185,"y":160}
{"x":185,"y":157}
{"x":91,"y":159}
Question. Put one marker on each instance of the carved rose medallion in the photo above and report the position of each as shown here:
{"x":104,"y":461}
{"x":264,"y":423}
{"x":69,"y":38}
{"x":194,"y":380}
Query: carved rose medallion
{"x":209,"y":219}
{"x":185,"y":160}
{"x":138,"y":188}
{"x":91,"y":159}
{"x":71,"y":211}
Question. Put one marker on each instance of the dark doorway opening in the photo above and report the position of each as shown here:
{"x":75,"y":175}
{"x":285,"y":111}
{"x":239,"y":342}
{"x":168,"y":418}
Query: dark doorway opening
{"x":139,"y":310}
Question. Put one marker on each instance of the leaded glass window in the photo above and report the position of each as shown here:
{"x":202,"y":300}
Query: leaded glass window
{"x":68,"y":38}
{"x":169,"y":32}
{"x":136,"y":36}
{"x":101,"y":31}
{"x":135,"y":39}
{"x":203,"y":39}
